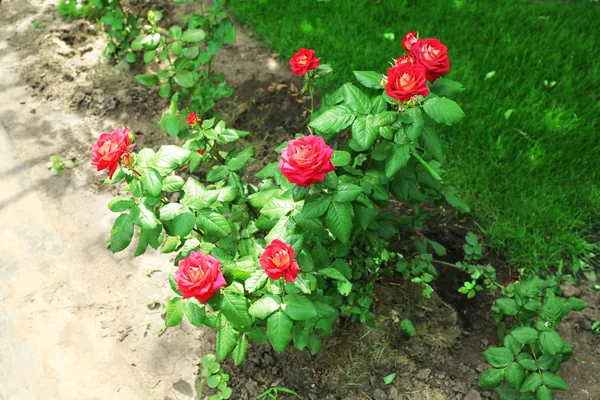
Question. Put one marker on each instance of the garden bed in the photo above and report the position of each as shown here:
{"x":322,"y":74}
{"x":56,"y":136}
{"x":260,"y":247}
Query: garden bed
{"x":68,"y":78}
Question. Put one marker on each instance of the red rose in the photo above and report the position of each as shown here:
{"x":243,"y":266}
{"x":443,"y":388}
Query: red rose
{"x":303,"y":61}
{"x":192,"y":119}
{"x":405,"y":59}
{"x":111,"y":149}
{"x":199,"y":276}
{"x":409,"y":39}
{"x":278,"y":261}
{"x":433,"y":55}
{"x":306,"y":160}
{"x":405,"y":81}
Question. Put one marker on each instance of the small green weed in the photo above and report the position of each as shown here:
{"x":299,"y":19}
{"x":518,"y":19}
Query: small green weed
{"x":272,"y":393}
{"x":57,"y":165}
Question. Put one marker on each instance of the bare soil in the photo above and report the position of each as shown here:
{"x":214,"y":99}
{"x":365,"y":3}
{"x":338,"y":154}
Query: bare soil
{"x":57,"y":93}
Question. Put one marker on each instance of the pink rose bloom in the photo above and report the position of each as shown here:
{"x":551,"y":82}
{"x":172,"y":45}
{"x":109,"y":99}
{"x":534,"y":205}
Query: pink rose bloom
{"x":199,"y":276}
{"x":111,"y":149}
{"x":278,"y":261}
{"x":306,"y":160}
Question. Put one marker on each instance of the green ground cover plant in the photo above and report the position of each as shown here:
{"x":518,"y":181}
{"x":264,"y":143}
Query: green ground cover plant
{"x":526,"y":157}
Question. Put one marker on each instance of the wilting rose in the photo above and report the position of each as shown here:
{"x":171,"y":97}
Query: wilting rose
{"x":433,"y":55}
{"x":303,"y":61}
{"x":111,"y":149}
{"x":199,"y":276}
{"x":278,"y":261}
{"x":192,"y":119}
{"x":405,"y":81}
{"x":409,"y":39}
{"x":306,"y":160}
{"x":405,"y":59}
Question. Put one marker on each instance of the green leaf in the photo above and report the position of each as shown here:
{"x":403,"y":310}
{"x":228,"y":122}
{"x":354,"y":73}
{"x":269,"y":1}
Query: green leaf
{"x":511,"y":343}
{"x":184,"y":78}
{"x":193,"y":35}
{"x":331,"y":180}
{"x":235,"y":308}
{"x":507,"y":306}
{"x":554,"y":381}
{"x":279,"y":331}
{"x":264,"y":307}
{"x":527,"y":362}
{"x":340,"y":158}
{"x":175,"y":312}
{"x":333,"y":120}
{"x":217,"y":173}
{"x":384,"y":118}
{"x":149,"y":56}
{"x":183,"y":224}
{"x":339,"y":221}
{"x":169,"y":158}
{"x":498,"y":356}
{"x":551,"y":343}
{"x":443,"y":110}
{"x":347,"y":192}
{"x":414,"y":118}
{"x":576,"y":304}
{"x":356,"y":99}
{"x":147,"y":79}
{"x":364,"y":133}
{"x":514,"y":375}
{"x":196,"y":197}
{"x":315,"y":209}
{"x":143,"y":217}
{"x":407,"y":327}
{"x":491,"y":378}
{"x":212,"y":223}
{"x":531,"y":383}
{"x":256,"y":281}
{"x":298,"y":307}
{"x":276,"y":207}
{"x":370,"y":79}
{"x":120,"y":205}
{"x":164,"y":90}
{"x":397,"y":160}
{"x":446,"y":87}
{"x":457,"y":203}
{"x":239,"y":162}
{"x":389,"y":378}
{"x":151,"y":182}
{"x":172,"y":183}
{"x":175,"y":32}
{"x":543,"y":393}
{"x":432,"y":144}
{"x":525,"y":335}
{"x":121,"y":233}
{"x":194,"y":311}
{"x":240,"y":354}
{"x":227,"y":340}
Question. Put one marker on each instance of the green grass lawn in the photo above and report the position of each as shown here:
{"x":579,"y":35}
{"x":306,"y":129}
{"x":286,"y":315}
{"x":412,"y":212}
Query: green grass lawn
{"x":532,"y":179}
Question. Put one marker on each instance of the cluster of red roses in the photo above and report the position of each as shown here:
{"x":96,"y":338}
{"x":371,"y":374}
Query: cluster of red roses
{"x":427,"y":60}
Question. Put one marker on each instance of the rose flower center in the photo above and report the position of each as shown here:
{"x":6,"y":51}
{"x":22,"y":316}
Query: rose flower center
{"x":406,"y":81}
{"x":108,"y":147}
{"x":302,"y":60}
{"x":431,"y":53}
{"x":196,"y":274}
{"x":302,"y":155}
{"x":281,"y":257}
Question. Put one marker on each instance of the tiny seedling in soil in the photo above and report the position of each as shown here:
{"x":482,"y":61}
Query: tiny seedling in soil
{"x":57,"y":165}
{"x":272,"y":393}
{"x":38,"y":25}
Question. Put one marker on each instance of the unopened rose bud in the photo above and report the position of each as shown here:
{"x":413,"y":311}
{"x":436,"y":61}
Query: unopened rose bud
{"x":383,"y":81}
{"x":192,"y":119}
{"x":409,"y":39}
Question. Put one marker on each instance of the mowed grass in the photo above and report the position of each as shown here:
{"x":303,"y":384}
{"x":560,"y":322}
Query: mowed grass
{"x":532,"y":179}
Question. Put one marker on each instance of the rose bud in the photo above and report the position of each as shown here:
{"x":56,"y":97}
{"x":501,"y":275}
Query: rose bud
{"x":278,"y":261}
{"x":433,"y":55}
{"x":199,"y":276}
{"x":111,"y":149}
{"x":409,"y":39}
{"x":406,"y":81}
{"x":306,"y":160}
{"x":303,"y":61}
{"x":192,"y":119}
{"x":405,"y":59}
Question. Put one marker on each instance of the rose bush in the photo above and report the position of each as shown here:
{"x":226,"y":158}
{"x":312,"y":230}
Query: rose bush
{"x":281,"y":258}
